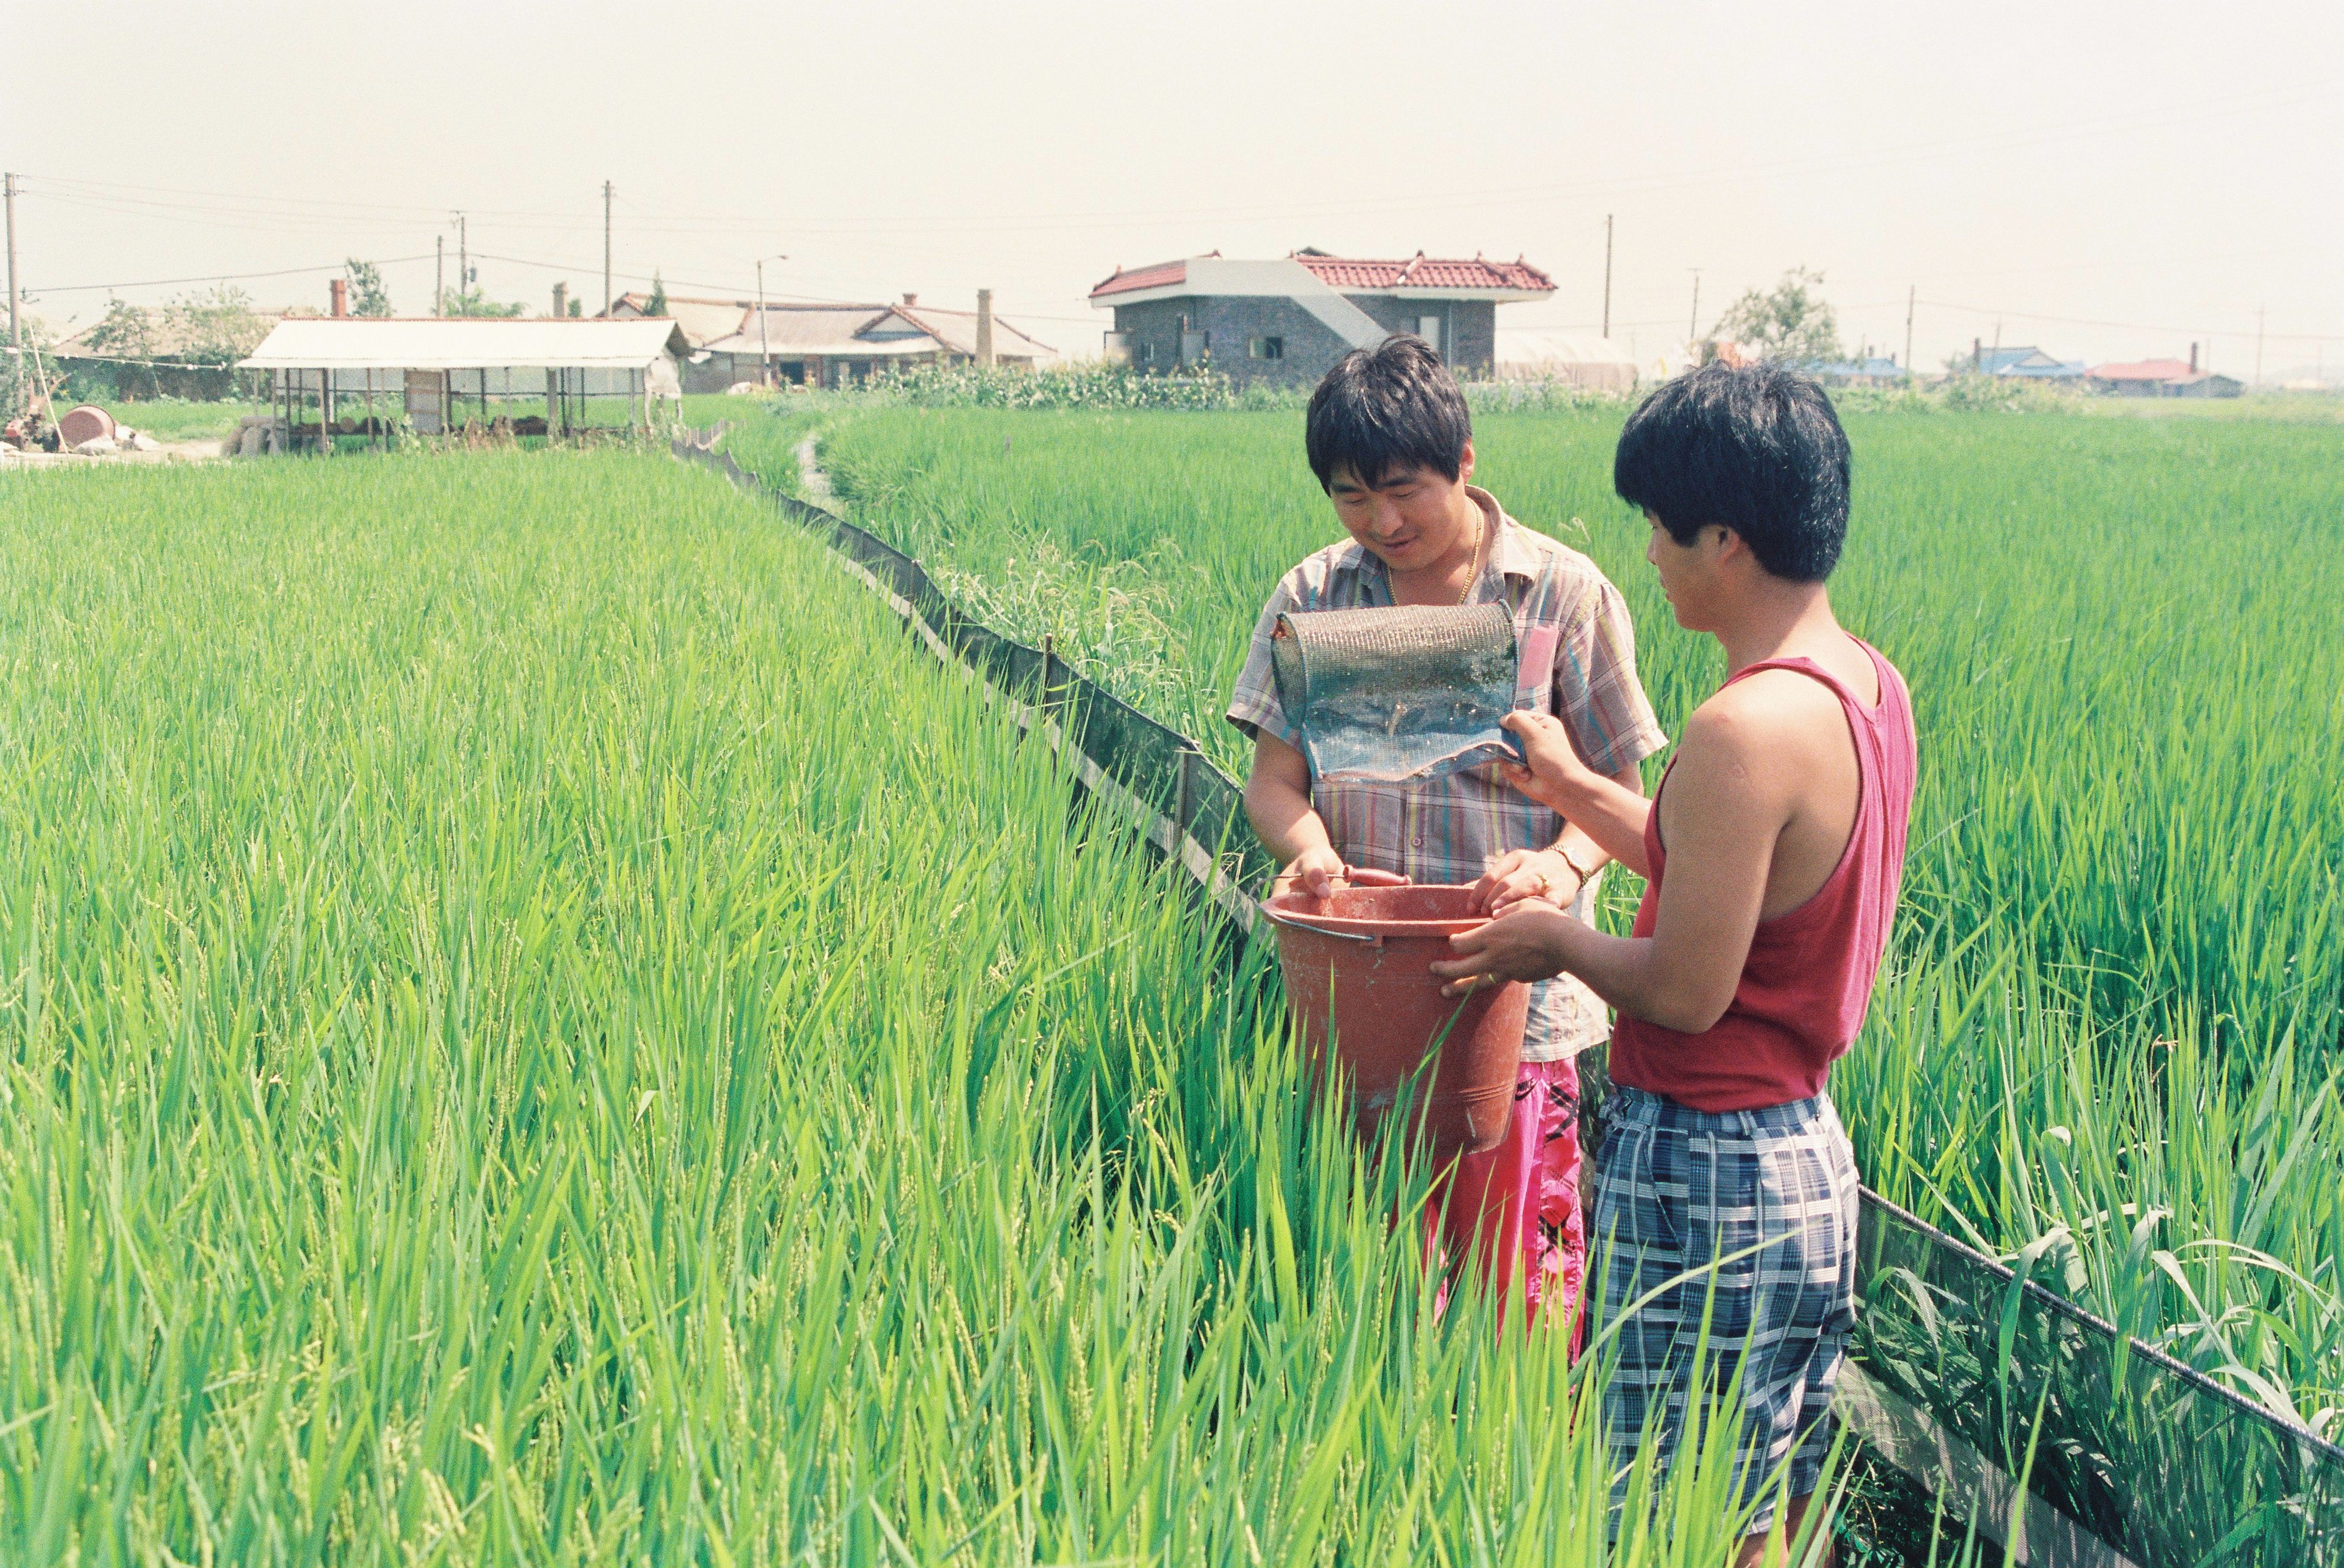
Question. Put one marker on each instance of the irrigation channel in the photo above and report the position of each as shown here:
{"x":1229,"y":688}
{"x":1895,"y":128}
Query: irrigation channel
{"x":2066,"y":1441}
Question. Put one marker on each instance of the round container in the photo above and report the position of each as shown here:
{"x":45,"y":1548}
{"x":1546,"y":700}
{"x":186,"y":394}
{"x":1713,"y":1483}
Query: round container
{"x":1358,"y":973}
{"x":84,"y":424}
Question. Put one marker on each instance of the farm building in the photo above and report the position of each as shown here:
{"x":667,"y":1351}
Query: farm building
{"x":1595,"y":364}
{"x":829,"y":345}
{"x":352,"y":376}
{"x":2026,"y":363}
{"x":2164,"y":379}
{"x":1289,"y":320}
{"x":1869,"y":370}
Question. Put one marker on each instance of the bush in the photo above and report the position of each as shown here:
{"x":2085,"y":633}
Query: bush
{"x":1094,"y":384}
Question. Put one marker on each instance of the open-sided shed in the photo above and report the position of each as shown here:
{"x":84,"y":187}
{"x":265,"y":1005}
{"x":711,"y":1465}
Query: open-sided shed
{"x":430,"y":366}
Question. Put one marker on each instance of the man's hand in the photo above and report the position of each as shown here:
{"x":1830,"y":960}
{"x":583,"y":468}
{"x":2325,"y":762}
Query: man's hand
{"x":1526,"y":874}
{"x":1525,"y":943}
{"x":1555,"y":778}
{"x":1314,"y":870}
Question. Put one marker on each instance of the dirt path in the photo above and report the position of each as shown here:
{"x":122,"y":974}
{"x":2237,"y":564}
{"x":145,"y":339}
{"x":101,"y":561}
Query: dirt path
{"x":812,"y":480}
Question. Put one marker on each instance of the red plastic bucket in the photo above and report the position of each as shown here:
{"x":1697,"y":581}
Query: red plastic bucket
{"x":1358,"y":965}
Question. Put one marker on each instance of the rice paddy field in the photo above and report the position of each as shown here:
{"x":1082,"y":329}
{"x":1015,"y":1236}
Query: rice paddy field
{"x":541,"y":1028}
{"x":2108,"y":1045}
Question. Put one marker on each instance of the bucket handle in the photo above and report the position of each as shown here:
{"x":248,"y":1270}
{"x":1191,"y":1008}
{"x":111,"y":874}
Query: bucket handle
{"x":1275,"y":918}
{"x":1362,"y":876}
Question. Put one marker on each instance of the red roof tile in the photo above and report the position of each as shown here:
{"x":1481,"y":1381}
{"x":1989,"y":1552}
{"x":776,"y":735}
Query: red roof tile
{"x":2145,"y":371}
{"x":1162,"y":275}
{"x":1347,"y":273}
{"x":1422,"y":271}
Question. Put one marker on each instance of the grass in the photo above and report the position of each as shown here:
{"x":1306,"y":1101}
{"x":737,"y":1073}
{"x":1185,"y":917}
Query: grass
{"x":173,"y":419}
{"x":541,"y":1029}
{"x":2116,"y":995}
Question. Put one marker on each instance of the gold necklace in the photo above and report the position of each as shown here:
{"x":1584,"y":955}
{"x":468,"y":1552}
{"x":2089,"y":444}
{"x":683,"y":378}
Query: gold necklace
{"x":1481,"y":534}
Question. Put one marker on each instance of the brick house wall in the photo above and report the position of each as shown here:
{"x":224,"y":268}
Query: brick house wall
{"x":1232,"y":324}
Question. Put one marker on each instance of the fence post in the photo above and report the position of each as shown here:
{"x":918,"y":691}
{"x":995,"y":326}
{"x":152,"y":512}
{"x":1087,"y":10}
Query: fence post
{"x":1185,"y":803}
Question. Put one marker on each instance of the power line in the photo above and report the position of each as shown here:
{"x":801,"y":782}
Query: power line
{"x":2124,"y":326}
{"x":210,"y":278}
{"x":2002,"y":139}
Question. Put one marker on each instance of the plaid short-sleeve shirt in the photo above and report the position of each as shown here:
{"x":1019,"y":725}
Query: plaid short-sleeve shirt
{"x":1449,"y":830}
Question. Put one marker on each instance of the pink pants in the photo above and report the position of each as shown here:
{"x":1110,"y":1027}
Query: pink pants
{"x":1516,"y":1208}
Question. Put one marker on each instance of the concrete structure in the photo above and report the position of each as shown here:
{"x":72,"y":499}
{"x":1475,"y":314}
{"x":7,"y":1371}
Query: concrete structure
{"x":1289,"y":320}
{"x":828,"y":345}
{"x":430,"y":366}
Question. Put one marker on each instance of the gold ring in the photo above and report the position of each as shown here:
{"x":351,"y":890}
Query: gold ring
{"x":1545,"y":885}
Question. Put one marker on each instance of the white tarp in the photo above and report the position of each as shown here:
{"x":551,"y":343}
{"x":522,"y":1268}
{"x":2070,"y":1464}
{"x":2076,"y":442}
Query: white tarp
{"x":356,"y":343}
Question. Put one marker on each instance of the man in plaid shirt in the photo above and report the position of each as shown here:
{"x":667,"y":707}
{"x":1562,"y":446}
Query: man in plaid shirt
{"x":1391,"y":440}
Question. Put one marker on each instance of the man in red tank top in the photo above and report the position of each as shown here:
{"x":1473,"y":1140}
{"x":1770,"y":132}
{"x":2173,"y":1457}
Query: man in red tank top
{"x":1771,"y":854}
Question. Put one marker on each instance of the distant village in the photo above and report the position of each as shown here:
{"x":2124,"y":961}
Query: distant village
{"x":1279,"y":321}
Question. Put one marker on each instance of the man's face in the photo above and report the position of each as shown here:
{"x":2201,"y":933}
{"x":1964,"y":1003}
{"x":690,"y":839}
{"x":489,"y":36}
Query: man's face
{"x":1685,"y":571}
{"x":1411,"y":519}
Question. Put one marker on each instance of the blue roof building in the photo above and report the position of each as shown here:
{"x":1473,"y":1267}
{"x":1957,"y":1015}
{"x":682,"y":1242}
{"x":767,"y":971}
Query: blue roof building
{"x":2025,"y":364}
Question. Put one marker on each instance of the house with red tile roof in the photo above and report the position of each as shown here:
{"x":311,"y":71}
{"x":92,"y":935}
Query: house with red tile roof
{"x":2164,"y":379}
{"x":1290,"y":319}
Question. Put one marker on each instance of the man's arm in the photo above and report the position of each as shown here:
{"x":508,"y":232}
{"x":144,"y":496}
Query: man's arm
{"x":1608,"y":810}
{"x":1516,"y":875}
{"x":1277,"y":803}
{"x":1722,"y":814}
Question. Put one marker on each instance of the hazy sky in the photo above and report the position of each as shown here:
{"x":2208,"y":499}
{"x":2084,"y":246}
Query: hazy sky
{"x":2110,"y":181}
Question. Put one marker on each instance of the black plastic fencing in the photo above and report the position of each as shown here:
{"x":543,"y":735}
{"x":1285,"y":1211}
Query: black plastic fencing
{"x":1969,"y":1375}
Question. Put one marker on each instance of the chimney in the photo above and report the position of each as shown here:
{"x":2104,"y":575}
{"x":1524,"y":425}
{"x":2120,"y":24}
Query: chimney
{"x":985,"y":327}
{"x":342,"y":300}
{"x":2193,"y":354}
{"x":911,"y":298}
{"x":560,"y":301}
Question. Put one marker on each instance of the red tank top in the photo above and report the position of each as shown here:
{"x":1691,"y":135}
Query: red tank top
{"x":1808,"y":978}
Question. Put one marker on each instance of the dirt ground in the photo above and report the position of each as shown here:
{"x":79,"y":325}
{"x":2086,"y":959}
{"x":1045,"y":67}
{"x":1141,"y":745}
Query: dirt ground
{"x":168,"y":452}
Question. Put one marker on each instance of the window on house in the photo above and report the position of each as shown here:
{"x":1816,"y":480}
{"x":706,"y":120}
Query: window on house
{"x":1429,"y":329}
{"x":1147,"y":353}
{"x":1267,"y":349}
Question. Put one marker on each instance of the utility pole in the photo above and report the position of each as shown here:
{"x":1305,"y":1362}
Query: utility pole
{"x":1911,"y":295}
{"x":1693,"y":325}
{"x":2258,"y":341}
{"x":463,"y":257}
{"x":15,"y":322}
{"x":606,"y":247}
{"x":439,"y":275}
{"x":764,"y":344}
{"x":1607,"y":276}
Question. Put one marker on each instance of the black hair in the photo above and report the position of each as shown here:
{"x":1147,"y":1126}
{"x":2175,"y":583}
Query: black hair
{"x":1755,"y":448}
{"x":1386,"y":410}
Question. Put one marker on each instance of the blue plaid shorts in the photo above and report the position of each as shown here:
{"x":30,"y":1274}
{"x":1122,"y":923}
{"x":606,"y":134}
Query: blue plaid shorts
{"x":1678,"y":1189}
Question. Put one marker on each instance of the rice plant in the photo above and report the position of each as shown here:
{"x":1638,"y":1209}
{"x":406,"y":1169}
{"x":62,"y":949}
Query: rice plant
{"x":541,"y":1028}
{"x":2120,"y":983}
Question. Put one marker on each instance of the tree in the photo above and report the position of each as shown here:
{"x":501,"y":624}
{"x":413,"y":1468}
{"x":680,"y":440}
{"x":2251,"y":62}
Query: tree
{"x":218,"y":328}
{"x":1793,"y":322}
{"x":367,"y":296}
{"x":657,"y":304}
{"x":474,"y":302}
{"x":126,"y":333}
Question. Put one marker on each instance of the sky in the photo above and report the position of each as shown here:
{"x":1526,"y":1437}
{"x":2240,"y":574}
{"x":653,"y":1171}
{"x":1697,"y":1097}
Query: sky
{"x":2106,"y":181}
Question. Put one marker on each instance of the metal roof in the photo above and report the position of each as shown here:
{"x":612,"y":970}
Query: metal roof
{"x":428,"y":343}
